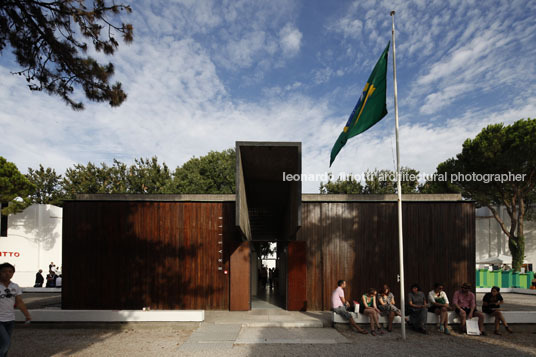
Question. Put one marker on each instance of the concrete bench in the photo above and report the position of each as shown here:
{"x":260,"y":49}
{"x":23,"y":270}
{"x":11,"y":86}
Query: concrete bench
{"x":514,"y":317}
{"x":361,"y":318}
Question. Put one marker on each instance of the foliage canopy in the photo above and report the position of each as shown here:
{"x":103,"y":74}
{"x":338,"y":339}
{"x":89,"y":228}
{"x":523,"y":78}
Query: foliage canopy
{"x":505,"y":158}
{"x":50,"y":42}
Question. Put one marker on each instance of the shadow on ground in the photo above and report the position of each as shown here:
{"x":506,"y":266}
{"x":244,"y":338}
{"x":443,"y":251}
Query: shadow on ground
{"x":110,"y":339}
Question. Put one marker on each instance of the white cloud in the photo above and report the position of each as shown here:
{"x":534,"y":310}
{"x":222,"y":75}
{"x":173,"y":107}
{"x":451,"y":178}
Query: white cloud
{"x":183,"y":101}
{"x":348,"y":27}
{"x":242,"y":52}
{"x":290,"y":40}
{"x":438,"y":100}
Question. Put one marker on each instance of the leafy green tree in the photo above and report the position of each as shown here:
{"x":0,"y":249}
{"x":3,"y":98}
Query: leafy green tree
{"x":440,"y":182}
{"x":50,"y":40}
{"x":87,"y":179}
{"x":144,"y":176}
{"x":48,"y":189}
{"x":384,"y":181}
{"x":148,"y":176}
{"x":347,"y":186}
{"x":14,"y":187}
{"x":376,"y":182}
{"x":212,"y":173}
{"x":499,"y":168}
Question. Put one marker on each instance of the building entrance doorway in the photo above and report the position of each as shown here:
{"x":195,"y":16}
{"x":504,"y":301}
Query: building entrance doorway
{"x":268,"y":277}
{"x":268,"y":216}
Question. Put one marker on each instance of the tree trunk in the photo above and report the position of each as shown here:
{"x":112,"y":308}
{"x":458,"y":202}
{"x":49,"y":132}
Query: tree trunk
{"x":517,"y":249}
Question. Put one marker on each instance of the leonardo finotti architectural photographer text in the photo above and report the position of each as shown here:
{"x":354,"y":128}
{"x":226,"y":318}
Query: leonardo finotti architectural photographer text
{"x":391,"y":176}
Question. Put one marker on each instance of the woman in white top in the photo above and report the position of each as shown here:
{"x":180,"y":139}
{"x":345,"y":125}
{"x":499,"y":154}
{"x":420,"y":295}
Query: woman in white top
{"x":10,"y":294}
{"x":439,"y":305}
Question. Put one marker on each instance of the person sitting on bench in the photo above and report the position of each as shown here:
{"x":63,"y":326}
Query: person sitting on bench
{"x":464,"y":301}
{"x":339,"y":305}
{"x":491,"y":304}
{"x":439,"y":305}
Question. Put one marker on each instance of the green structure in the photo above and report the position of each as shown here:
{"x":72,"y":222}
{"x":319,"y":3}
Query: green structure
{"x":503,"y":279}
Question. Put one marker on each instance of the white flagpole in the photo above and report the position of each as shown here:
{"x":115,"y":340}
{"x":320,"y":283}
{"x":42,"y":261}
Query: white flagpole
{"x":399,"y":189}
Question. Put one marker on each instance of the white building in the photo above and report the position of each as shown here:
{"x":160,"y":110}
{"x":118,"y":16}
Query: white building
{"x":491,"y":241}
{"x":33,"y":241}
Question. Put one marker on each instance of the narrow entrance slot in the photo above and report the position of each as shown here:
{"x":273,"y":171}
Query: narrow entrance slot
{"x":268,"y":277}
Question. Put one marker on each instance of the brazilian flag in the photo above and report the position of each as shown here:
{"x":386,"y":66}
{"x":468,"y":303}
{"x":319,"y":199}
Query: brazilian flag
{"x":370,"y":107}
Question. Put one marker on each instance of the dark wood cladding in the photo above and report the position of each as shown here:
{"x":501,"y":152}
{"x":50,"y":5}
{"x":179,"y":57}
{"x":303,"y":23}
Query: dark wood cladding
{"x":358,"y":242}
{"x":127,"y":255}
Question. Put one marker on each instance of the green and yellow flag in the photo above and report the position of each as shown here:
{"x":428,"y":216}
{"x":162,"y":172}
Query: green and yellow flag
{"x":370,"y":107}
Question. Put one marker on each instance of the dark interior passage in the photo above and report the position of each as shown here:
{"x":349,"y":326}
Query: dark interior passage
{"x":268,"y":277}
{"x":269,"y":203}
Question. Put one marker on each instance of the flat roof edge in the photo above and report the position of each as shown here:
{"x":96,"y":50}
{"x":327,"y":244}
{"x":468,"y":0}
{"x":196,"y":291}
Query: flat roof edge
{"x":157,"y":197}
{"x":269,"y":143}
{"x":318,"y":197}
{"x":304,"y":197}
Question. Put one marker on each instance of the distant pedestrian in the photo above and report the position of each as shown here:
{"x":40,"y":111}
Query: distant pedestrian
{"x":10,"y":295}
{"x":39,"y":279}
{"x":51,"y":279}
{"x":58,"y":281}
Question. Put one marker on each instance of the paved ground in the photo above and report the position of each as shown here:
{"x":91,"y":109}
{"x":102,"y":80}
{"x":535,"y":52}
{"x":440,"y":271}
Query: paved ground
{"x":244,"y":334}
{"x":177,"y":340}
{"x":42,"y":300}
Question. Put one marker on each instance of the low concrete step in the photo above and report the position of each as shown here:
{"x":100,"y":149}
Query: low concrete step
{"x":287,"y":324}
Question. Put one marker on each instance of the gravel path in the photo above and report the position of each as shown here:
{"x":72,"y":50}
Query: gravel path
{"x":165,"y":339}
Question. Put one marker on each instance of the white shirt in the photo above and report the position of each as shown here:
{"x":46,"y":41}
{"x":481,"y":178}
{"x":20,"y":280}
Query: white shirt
{"x":432,"y":296}
{"x":7,"y":301}
{"x":58,"y":282}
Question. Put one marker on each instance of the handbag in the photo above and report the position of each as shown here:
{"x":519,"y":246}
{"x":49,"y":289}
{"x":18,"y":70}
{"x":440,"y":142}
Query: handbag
{"x":440,"y":300}
{"x":472,"y":327}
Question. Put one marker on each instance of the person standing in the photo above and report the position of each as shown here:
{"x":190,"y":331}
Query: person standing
{"x":271,"y":277}
{"x":51,"y":279}
{"x":464,"y":301}
{"x":10,"y":295}
{"x":339,"y":305}
{"x":39,"y":279}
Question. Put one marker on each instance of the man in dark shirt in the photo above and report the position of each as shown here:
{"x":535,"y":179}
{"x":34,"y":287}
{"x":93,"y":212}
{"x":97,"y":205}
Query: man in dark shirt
{"x":51,"y":280}
{"x":39,"y":279}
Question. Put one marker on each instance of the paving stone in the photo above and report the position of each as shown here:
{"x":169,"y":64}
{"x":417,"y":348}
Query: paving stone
{"x":275,"y":335}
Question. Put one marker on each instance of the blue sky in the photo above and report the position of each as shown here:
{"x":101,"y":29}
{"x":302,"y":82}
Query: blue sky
{"x":201,"y":75}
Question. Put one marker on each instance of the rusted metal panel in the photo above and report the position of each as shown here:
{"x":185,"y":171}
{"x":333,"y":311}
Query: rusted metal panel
{"x":240,"y":278}
{"x":297,"y":276}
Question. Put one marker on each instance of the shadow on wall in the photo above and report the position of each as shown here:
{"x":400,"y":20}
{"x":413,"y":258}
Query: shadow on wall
{"x":130,"y":255}
{"x":38,"y":224}
{"x":358,"y":242}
